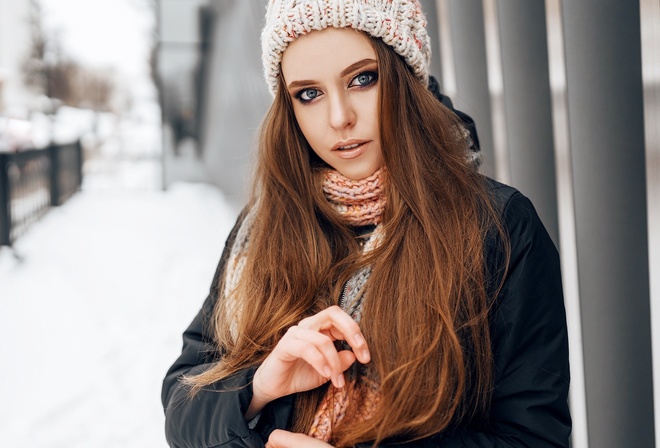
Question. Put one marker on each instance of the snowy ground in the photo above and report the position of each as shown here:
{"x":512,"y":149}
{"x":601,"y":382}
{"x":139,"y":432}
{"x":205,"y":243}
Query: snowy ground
{"x":91,"y":318}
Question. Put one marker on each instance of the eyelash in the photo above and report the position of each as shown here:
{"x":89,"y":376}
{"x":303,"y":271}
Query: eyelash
{"x":299,"y":95}
{"x":373,"y":77}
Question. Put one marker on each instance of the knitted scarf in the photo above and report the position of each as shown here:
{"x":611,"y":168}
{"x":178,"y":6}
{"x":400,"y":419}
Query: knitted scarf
{"x":360,"y":203}
{"x":361,"y":394}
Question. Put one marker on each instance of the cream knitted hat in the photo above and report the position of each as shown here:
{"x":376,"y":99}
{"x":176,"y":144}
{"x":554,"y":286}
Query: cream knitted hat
{"x":401,"y":24}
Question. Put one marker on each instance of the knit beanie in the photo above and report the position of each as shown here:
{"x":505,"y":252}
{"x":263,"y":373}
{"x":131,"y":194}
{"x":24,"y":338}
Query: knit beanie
{"x":401,"y":24}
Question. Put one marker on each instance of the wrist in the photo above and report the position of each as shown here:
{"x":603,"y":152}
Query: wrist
{"x":259,"y":398}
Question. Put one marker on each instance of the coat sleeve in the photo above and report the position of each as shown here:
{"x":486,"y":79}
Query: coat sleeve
{"x":528,"y":325}
{"x":214,"y":416}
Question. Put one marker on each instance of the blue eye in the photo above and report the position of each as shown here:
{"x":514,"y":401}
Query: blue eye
{"x":364,"y":79}
{"x":307,"y":95}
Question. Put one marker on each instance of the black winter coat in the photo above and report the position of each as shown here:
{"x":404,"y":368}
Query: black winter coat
{"x":529,"y":339}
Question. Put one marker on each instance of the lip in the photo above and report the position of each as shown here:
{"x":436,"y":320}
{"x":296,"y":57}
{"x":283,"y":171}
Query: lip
{"x":350,"y":153}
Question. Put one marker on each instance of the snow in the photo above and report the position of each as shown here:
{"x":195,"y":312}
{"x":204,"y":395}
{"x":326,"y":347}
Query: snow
{"x":91,"y":315}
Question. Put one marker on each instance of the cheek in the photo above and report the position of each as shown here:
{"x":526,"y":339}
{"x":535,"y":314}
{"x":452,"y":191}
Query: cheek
{"x":369,"y":111}
{"x":309,"y":121}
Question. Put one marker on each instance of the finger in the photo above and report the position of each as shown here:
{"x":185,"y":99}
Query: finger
{"x":286,"y":439}
{"x":330,"y":365}
{"x":277,"y":439}
{"x":281,"y":439}
{"x":358,"y":344}
{"x":315,"y":349}
{"x":341,"y":327}
{"x":346,"y":359}
{"x":297,"y":349}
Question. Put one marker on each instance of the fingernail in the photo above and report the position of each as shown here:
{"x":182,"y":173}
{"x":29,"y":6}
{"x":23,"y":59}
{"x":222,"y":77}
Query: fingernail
{"x":359,"y":340}
{"x":327,"y":372}
{"x":366,"y":355}
{"x":340,"y":381}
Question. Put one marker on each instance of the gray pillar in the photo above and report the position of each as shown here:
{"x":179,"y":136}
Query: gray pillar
{"x":607,"y":139}
{"x":650,"y":10}
{"x":429,"y":8}
{"x":465,"y":21}
{"x":566,"y":219}
{"x":527,"y":101}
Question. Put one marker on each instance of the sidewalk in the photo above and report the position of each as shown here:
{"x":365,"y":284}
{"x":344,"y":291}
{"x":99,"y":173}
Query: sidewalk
{"x":91,"y":318}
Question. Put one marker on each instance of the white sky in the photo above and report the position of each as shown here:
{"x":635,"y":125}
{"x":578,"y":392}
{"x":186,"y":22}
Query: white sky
{"x":104,"y":33}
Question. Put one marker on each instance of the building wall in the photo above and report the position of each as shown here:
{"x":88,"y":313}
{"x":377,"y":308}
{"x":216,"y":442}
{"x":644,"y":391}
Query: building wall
{"x":178,"y":60}
{"x":240,"y":97}
{"x":221,"y":80}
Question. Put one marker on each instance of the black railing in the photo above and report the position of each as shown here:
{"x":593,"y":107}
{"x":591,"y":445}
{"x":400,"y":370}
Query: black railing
{"x":32,"y":181}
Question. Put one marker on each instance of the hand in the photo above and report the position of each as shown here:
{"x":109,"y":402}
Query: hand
{"x":306,"y":357}
{"x":286,"y":439}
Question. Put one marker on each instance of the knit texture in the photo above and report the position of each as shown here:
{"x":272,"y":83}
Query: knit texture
{"x":359,"y":202}
{"x":360,"y":396}
{"x":401,"y":24}
{"x":360,"y":399}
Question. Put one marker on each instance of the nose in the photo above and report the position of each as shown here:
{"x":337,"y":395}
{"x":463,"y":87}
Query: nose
{"x":342,"y":112}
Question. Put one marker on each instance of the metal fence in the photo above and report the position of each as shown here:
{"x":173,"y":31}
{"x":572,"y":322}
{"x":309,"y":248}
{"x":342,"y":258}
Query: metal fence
{"x":32,"y":181}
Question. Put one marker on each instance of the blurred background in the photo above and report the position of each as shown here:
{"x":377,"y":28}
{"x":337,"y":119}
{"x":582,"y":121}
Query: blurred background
{"x":127,"y":130}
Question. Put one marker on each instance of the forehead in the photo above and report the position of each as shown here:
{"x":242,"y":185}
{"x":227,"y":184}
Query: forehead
{"x":325,"y":53}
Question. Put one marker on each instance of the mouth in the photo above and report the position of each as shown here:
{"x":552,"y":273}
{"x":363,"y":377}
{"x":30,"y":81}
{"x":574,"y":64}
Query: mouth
{"x":351,"y":149}
{"x":349,"y":146}
{"x":344,"y":148}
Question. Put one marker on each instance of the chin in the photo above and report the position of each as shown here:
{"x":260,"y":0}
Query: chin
{"x":359,"y":171}
{"x":357,"y":174}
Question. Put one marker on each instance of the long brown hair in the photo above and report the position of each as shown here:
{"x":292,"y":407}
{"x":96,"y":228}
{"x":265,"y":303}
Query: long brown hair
{"x":425,"y":316}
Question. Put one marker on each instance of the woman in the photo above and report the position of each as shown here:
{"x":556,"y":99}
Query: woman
{"x":376,"y":290}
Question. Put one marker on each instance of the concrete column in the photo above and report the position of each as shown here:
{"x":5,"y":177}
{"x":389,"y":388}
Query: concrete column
{"x":429,"y":8}
{"x":527,"y":103}
{"x":566,"y":219}
{"x":462,"y":27}
{"x":605,"y":106}
{"x":650,"y":12}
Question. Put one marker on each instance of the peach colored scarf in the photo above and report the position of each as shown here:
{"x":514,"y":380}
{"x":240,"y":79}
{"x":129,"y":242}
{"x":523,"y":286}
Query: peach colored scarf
{"x":336,"y":403}
{"x":360,"y":202}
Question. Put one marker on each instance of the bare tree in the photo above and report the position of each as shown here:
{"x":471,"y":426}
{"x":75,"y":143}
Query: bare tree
{"x":49,"y":72}
{"x":35,"y":65}
{"x":93,"y":90}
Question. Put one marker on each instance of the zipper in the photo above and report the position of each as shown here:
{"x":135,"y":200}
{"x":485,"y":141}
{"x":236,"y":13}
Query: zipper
{"x":342,"y":299}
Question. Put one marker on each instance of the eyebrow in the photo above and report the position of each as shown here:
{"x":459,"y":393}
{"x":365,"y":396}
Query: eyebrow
{"x":351,"y":68}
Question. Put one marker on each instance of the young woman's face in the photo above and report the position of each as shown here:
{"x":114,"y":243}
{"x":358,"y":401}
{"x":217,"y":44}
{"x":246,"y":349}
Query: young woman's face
{"x":332,"y":77}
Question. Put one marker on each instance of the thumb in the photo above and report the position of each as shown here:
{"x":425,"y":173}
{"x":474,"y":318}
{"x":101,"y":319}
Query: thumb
{"x":346,"y":359}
